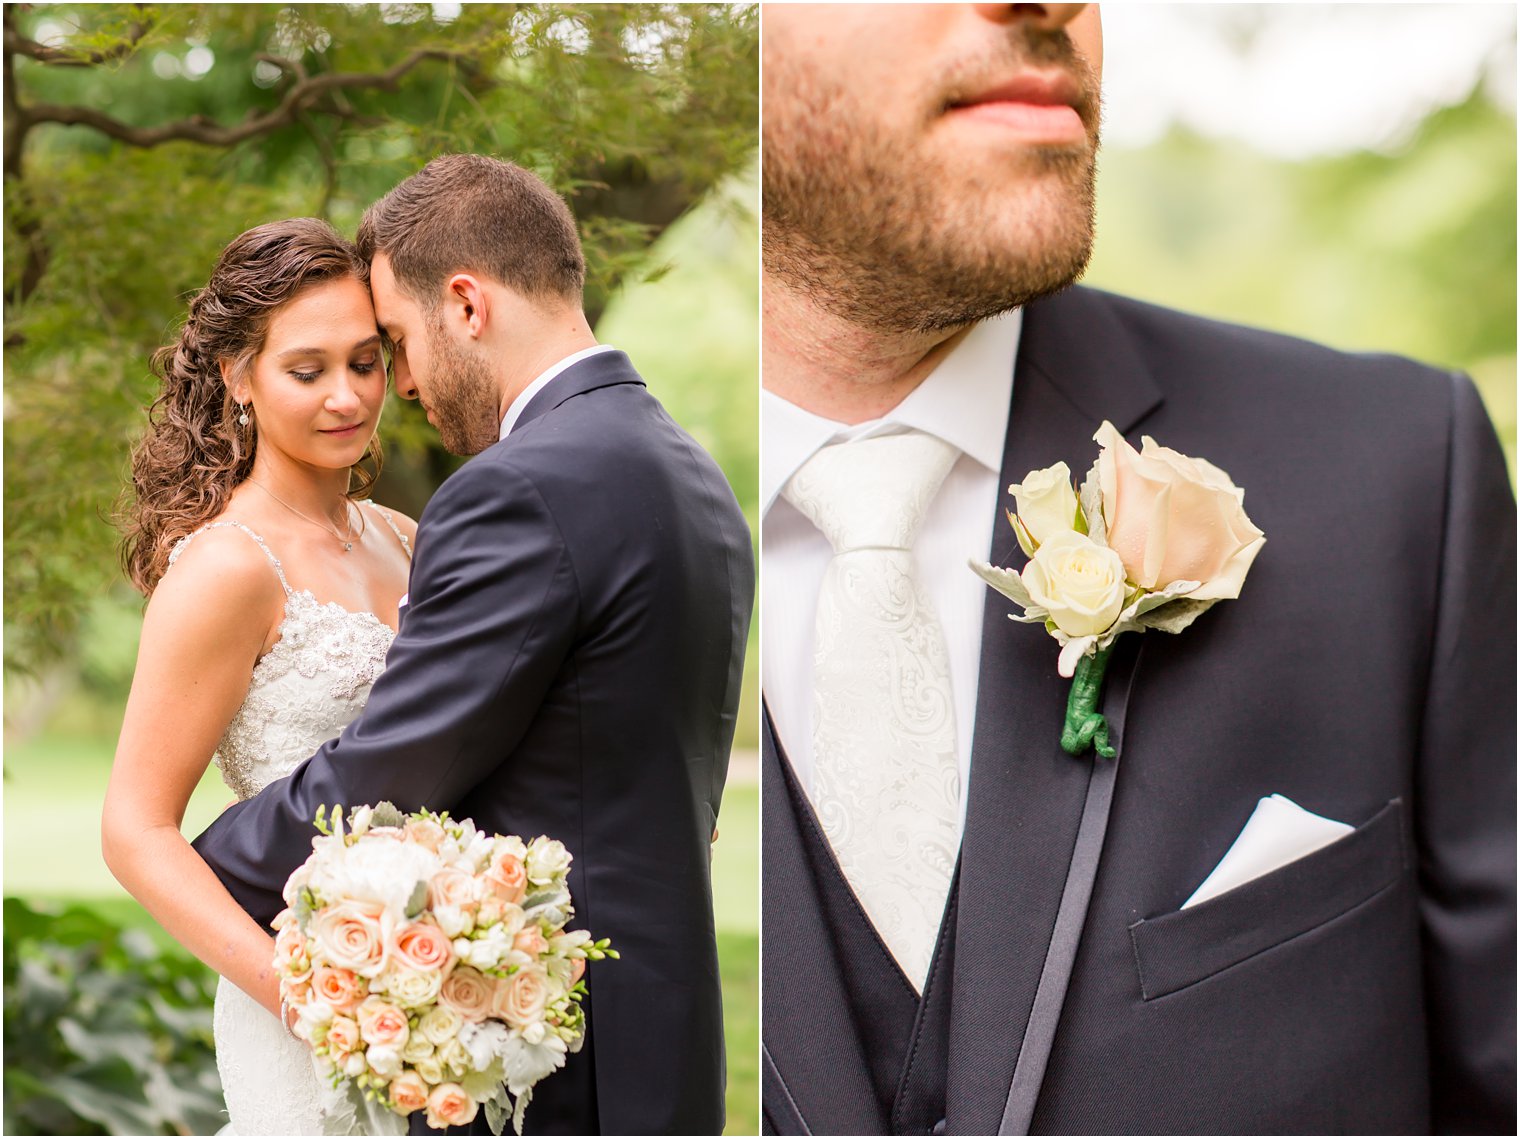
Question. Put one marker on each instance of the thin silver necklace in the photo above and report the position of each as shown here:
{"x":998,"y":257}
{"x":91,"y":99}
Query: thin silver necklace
{"x":348,"y":543}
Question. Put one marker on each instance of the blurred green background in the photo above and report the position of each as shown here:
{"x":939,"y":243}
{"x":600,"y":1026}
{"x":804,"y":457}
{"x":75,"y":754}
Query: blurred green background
{"x":1341,"y":172}
{"x":139,"y":140}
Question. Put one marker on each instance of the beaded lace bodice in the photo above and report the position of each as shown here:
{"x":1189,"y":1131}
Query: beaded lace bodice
{"x":304,"y":691}
{"x":307,"y":688}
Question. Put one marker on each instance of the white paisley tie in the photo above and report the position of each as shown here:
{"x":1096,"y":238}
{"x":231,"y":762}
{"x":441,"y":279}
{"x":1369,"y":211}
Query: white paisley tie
{"x":886,"y":784}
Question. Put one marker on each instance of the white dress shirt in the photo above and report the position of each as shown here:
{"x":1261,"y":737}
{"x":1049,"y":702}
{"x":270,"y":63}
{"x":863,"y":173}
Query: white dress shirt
{"x":964,"y":401}
{"x":515,"y":409}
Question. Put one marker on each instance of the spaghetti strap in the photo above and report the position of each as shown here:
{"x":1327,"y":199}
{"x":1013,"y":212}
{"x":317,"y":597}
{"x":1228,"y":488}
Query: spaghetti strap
{"x":391,"y":522}
{"x":268,"y":553}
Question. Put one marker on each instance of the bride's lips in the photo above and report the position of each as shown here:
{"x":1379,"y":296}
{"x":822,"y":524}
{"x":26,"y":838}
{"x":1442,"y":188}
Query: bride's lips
{"x":1039,"y":106}
{"x":342,"y":432}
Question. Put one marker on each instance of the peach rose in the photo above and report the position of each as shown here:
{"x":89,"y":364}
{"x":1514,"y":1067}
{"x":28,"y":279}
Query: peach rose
{"x":296,"y":993}
{"x":342,"y":1037}
{"x":506,"y":877}
{"x":453,"y":887}
{"x":424,"y":947}
{"x":1174,"y":518}
{"x":382,"y":1023}
{"x":467,"y":992}
{"x":577,"y":969}
{"x":530,"y":941}
{"x":520,"y":998}
{"x":292,"y":958}
{"x":449,"y":1106}
{"x":425,"y":833}
{"x":408,"y":1092}
{"x":352,"y":935}
{"x":343,"y":989}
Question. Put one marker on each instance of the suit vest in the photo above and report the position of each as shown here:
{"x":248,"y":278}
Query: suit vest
{"x":823,"y":952}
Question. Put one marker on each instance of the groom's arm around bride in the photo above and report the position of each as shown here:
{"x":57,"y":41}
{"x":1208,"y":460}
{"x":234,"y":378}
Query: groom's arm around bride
{"x":569,"y":660}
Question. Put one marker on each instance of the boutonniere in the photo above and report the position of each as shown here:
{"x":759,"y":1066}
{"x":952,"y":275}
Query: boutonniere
{"x":1151,"y":541}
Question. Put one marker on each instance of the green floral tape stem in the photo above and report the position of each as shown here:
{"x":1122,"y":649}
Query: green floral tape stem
{"x":1085,"y":725}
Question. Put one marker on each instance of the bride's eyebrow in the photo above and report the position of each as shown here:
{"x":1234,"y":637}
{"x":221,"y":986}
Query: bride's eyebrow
{"x":366,"y":342}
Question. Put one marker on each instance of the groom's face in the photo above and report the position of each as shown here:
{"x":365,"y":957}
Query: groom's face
{"x":453,"y":384}
{"x":928,"y":165}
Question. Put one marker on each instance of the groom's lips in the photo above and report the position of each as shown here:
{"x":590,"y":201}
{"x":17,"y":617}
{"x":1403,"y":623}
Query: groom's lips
{"x":1039,"y":106}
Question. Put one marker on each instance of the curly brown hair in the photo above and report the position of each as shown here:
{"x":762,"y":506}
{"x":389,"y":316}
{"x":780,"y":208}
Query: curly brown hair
{"x":194,"y":453}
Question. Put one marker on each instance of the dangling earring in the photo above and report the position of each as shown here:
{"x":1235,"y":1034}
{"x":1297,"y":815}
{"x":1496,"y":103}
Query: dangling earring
{"x":243,"y":419}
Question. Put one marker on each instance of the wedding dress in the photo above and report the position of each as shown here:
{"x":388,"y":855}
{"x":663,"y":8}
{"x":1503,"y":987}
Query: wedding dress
{"x":303,"y":692}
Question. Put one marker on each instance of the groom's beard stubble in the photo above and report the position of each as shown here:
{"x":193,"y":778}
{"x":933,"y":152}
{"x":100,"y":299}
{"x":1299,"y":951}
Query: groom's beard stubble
{"x":462,"y":396}
{"x":876,"y":225}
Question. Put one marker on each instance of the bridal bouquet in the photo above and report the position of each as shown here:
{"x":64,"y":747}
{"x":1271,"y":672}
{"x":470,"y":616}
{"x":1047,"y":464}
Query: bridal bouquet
{"x":430,"y":967}
{"x":1153,"y":539}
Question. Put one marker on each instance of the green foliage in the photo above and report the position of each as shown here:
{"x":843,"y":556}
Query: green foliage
{"x":105,"y":1033}
{"x":633,"y":111}
{"x":1411,"y":252}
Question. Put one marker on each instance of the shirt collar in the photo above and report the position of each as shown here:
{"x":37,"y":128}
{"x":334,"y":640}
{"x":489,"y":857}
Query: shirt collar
{"x":538,"y":385}
{"x":964,"y":401}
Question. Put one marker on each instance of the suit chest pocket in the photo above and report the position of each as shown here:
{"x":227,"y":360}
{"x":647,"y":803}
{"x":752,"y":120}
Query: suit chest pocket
{"x":1182,"y":948}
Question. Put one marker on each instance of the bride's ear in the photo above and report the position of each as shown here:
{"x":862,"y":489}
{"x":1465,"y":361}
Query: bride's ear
{"x":235,"y":379}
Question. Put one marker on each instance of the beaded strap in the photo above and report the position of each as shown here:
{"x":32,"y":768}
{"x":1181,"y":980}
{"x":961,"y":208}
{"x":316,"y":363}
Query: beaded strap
{"x":274,"y":561}
{"x":391,"y":522}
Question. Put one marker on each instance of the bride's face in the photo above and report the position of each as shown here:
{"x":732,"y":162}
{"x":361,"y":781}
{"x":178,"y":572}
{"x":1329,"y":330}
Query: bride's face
{"x":318,"y":384}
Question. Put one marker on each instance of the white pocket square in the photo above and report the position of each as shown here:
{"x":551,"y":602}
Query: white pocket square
{"x":405,"y":599}
{"x":1278,"y":832}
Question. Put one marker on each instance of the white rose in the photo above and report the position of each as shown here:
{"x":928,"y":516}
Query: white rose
{"x":354,"y":1064}
{"x":385,"y":1060}
{"x":411,"y":989}
{"x":455,"y":1056}
{"x":546,"y":859}
{"x":440,"y":1024}
{"x":1079,"y":581}
{"x":417,"y":1047}
{"x":430,"y":1070}
{"x":1046,"y":503}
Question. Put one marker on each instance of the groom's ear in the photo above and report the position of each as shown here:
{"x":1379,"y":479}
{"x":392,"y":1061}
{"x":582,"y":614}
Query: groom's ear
{"x":471,"y":303}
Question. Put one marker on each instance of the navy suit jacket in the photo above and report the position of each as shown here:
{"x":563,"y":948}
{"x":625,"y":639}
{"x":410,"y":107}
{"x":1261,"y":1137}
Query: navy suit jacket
{"x":1367,"y":672}
{"x":569,"y":665}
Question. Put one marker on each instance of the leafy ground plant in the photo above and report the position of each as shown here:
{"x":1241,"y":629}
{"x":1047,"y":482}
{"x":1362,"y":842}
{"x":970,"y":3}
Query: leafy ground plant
{"x":106,"y":1033}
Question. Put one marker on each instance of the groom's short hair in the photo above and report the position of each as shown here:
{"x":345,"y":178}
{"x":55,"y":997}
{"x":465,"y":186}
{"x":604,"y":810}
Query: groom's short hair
{"x":471,"y":213}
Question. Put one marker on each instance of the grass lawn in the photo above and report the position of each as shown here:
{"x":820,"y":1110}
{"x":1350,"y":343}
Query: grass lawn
{"x":55,"y":784}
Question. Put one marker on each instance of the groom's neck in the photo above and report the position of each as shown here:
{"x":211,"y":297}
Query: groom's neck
{"x":529,"y":347}
{"x":839,"y":369}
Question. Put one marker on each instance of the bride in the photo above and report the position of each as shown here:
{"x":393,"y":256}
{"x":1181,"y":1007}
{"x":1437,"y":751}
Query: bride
{"x":273,"y":594}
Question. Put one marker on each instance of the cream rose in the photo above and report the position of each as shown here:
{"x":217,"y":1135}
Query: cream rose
{"x":430,"y":1069}
{"x":382,"y":1023}
{"x":455,"y":1057}
{"x":417,"y":1047}
{"x":440,"y":1024}
{"x":408,"y":1092}
{"x":1046,"y":503}
{"x":384,"y":1060}
{"x":410,"y":988}
{"x":342,"y":989}
{"x":547,"y":858}
{"x":520,"y":998}
{"x":449,"y":1106}
{"x":1174,"y":518}
{"x":1080,"y":582}
{"x":352,"y":935}
{"x":422,"y":946}
{"x":468,"y":993}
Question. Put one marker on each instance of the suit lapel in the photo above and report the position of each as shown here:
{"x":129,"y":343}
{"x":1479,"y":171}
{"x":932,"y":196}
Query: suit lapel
{"x":1076,"y":367}
{"x":599,"y":371}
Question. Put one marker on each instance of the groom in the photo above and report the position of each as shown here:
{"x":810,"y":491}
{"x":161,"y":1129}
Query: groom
{"x":968,"y":931}
{"x":569,"y":660}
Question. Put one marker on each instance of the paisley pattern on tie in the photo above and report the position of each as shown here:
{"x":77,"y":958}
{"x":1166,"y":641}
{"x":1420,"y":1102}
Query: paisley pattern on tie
{"x":886,"y":783}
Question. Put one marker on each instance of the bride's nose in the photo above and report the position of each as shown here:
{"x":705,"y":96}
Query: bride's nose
{"x":342,"y":398}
